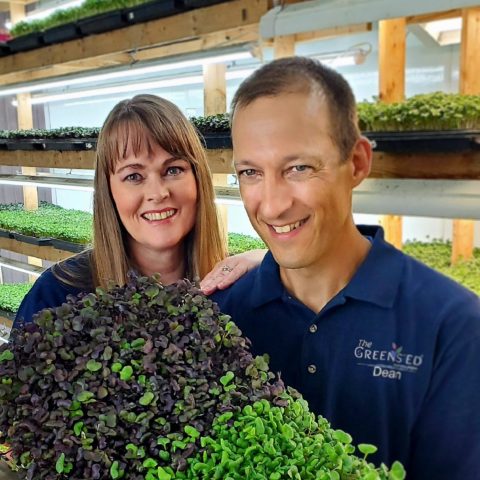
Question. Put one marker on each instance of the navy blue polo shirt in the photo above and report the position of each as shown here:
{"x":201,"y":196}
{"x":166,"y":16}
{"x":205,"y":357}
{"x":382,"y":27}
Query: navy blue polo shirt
{"x":393,"y":359}
{"x":47,"y":292}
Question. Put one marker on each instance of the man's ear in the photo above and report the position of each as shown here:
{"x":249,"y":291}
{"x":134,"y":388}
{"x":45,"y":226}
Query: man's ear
{"x":361,"y":158}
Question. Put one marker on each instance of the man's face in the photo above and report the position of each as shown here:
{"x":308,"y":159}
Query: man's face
{"x":295,"y":187}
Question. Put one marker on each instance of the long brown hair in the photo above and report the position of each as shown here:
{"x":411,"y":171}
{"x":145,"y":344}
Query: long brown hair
{"x":137,"y":124}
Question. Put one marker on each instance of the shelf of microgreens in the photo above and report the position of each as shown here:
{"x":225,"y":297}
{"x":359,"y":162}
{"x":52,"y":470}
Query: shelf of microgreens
{"x":75,"y":226}
{"x":439,"y":112}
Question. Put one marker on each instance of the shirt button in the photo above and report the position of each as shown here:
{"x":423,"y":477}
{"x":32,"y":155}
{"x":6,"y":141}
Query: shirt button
{"x":313,"y":328}
{"x":312,"y":369}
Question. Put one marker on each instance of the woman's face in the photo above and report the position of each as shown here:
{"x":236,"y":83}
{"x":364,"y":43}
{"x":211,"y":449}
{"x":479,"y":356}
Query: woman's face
{"x":156,"y":199}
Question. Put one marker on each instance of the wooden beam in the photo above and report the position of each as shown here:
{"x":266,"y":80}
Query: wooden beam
{"x":392,"y":55}
{"x":464,"y":230}
{"x":332,"y":32}
{"x":49,"y":159}
{"x":470,"y":52}
{"x":439,"y":166}
{"x":214,"y":102}
{"x":393,"y":228}
{"x":44,"y":252}
{"x":215,"y":89}
{"x":433,"y":17}
{"x":225,"y":38}
{"x":284,"y":46}
{"x":462,"y":240}
{"x":25,"y":121}
{"x":185,"y":26}
{"x":432,"y":166}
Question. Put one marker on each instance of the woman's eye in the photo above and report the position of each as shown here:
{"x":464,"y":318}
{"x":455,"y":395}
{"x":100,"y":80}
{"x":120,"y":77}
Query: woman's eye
{"x":133,"y":177}
{"x":174,"y":171}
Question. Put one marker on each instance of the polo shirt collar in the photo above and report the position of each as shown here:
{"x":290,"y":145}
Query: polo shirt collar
{"x":376,"y":281}
{"x":378,"y":278}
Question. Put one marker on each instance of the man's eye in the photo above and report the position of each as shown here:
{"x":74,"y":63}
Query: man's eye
{"x":300,"y":168}
{"x":249,"y":172}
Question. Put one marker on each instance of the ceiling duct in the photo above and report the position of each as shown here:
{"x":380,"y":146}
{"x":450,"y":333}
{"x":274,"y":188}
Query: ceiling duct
{"x":325,"y":14}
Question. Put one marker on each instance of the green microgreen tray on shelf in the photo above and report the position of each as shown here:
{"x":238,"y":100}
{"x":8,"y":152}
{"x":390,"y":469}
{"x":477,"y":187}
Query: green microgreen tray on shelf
{"x":11,"y":295}
{"x":49,"y":221}
{"x":88,"y":8}
{"x":75,"y":226}
{"x":433,"y":111}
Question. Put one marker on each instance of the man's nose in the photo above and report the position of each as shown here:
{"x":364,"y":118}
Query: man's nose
{"x":276,"y":198}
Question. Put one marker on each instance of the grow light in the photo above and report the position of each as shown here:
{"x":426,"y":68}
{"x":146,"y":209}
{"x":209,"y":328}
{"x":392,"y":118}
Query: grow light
{"x":21,"y":267}
{"x":124,"y":74}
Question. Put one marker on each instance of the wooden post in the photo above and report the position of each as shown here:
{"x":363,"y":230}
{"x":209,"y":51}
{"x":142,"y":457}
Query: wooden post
{"x":284,"y":46}
{"x":391,"y":67}
{"x":215,"y":101}
{"x":463,"y":230}
{"x":25,"y":121}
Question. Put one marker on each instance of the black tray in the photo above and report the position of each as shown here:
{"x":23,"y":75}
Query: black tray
{"x":425,"y":141}
{"x":61,"y":33}
{"x":201,"y":3}
{"x":63,"y":144}
{"x":41,"y":242}
{"x":68,"y":246}
{"x":153,"y":10}
{"x":5,"y":233}
{"x":25,"y":42}
{"x":217,"y":140}
{"x":101,"y":23}
{"x":4,"y":49}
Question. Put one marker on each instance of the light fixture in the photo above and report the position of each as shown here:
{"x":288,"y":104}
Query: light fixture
{"x":355,"y":55}
{"x":445,"y":32}
{"x":127,"y":73}
{"x":20,"y":267}
{"x":133,"y":87}
{"x":67,"y":182}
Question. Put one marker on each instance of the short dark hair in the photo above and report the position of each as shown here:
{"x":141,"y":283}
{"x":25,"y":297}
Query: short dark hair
{"x":302,"y":74}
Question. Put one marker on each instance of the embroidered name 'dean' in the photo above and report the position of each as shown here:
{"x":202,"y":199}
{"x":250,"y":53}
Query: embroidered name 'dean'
{"x":391,"y":363}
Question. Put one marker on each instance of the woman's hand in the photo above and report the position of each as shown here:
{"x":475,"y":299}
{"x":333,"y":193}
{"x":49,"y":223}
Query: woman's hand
{"x":229,"y":270}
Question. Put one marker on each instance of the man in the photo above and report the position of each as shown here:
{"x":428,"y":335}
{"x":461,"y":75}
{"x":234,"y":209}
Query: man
{"x":382,"y":346}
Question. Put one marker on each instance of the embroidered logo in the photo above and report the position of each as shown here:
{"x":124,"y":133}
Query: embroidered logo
{"x":387,"y":363}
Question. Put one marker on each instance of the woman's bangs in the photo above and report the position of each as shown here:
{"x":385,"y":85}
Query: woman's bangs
{"x":129,"y":137}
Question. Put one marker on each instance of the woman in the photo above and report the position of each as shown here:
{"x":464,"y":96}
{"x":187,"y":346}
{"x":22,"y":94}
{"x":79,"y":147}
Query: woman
{"x":153,"y":210}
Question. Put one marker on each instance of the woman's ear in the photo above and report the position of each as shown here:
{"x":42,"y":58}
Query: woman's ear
{"x":361,"y":159}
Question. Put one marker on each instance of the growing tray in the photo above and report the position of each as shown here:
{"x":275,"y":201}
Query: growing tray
{"x":26,"y":42}
{"x":153,"y":10}
{"x":5,"y":234}
{"x":62,"y":33}
{"x":427,"y":141}
{"x":40,"y":241}
{"x":63,"y":144}
{"x":101,"y":23}
{"x":68,"y":246}
{"x":217,"y":140}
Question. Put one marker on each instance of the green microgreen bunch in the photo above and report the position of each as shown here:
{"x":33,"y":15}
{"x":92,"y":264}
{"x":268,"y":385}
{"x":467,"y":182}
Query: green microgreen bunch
{"x":152,"y":382}
{"x":271,"y":442}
